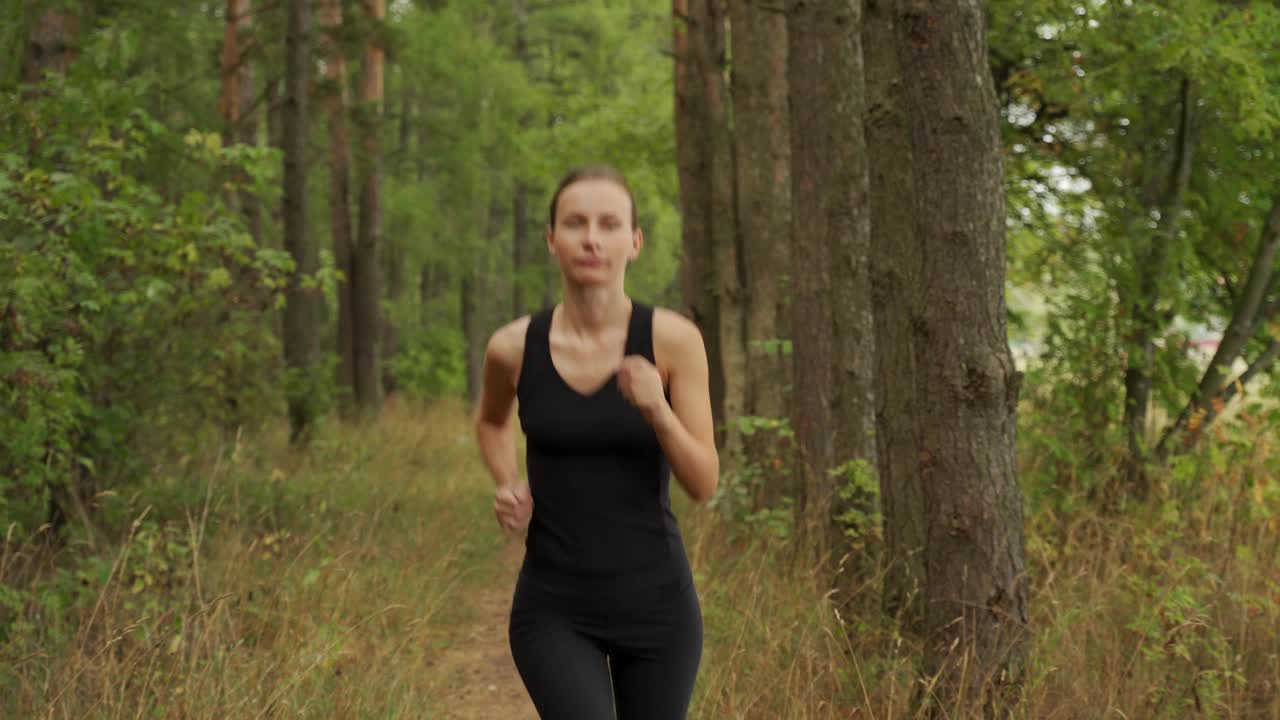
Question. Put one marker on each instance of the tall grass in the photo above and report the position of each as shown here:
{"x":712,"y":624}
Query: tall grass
{"x":257,"y":582}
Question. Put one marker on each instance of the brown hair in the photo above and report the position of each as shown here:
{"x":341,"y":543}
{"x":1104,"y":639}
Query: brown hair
{"x":592,"y":172}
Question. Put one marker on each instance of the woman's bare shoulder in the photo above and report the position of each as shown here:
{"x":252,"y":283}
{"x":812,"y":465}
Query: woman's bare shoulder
{"x":675,"y":335}
{"x":506,"y":345}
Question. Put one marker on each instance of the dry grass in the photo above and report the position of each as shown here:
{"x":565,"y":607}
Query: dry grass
{"x":331,"y":583}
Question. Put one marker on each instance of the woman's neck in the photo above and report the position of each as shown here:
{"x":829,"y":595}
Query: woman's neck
{"x":591,"y":310}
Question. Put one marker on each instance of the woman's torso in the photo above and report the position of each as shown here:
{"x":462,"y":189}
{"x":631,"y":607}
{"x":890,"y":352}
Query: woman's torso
{"x":602,"y":520}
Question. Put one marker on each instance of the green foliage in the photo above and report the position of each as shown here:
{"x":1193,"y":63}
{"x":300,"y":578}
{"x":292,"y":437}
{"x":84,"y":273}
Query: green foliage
{"x":1091,"y":93}
{"x":433,"y":365}
{"x":757,"y":476}
{"x":858,"y":495}
{"x":1178,"y":632}
{"x":129,"y":310}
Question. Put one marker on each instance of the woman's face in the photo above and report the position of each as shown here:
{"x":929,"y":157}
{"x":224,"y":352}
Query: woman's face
{"x":593,"y":238}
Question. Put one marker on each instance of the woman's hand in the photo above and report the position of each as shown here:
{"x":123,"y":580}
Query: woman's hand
{"x":641,"y":385}
{"x":513,"y":507}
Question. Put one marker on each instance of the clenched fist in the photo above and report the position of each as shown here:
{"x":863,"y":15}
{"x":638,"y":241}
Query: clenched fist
{"x":513,"y":506}
{"x":641,"y":385}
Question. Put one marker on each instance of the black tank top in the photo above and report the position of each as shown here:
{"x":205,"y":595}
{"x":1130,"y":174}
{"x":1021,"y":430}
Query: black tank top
{"x":602,"y":519}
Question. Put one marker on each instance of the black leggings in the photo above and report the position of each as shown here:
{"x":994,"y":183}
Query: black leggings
{"x":581,"y":659}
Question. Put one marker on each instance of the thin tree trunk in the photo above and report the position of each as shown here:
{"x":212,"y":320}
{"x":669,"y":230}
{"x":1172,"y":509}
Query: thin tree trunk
{"x":300,"y":331}
{"x":236,"y":101}
{"x":725,"y":254}
{"x":976,"y":614}
{"x":763,"y":166}
{"x":366,"y":290}
{"x":336,"y":102}
{"x":1240,"y":330}
{"x":391,"y":333}
{"x":895,"y":262}
{"x":520,"y":248}
{"x":693,"y":164}
{"x":1150,"y":270}
{"x":471,"y":333}
{"x":247,"y":126}
{"x":521,"y":255}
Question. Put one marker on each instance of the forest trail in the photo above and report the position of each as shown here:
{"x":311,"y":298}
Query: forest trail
{"x":481,"y":679}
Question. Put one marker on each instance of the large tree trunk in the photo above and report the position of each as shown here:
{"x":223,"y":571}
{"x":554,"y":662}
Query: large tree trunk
{"x":763,"y":191}
{"x":336,"y":101}
{"x":300,"y":332}
{"x":833,"y":412}
{"x":895,"y":297}
{"x":367,"y":288}
{"x":976,"y":587}
{"x":693,"y":163}
{"x":1142,"y":310}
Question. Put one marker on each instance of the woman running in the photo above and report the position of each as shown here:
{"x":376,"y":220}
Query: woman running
{"x":613,"y":396}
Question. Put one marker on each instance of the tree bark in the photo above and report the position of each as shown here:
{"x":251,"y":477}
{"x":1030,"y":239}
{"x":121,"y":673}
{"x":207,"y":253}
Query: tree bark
{"x":520,"y":255}
{"x":390,"y":332}
{"x":763,"y":191}
{"x":521,"y":250}
{"x":235,"y":104}
{"x":895,"y":262}
{"x":694,"y":168}
{"x":833,"y":412}
{"x":471,"y":333}
{"x":366,"y":258}
{"x":300,"y":332}
{"x":336,"y":103}
{"x":976,"y":588}
{"x":726,"y":261}
{"x":813,"y":352}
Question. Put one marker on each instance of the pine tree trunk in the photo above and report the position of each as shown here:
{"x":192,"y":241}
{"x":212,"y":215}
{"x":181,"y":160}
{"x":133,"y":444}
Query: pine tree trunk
{"x":471,"y":333}
{"x":336,"y":102}
{"x":833,"y":349}
{"x":725,"y":254}
{"x":520,"y":256}
{"x":694,"y":168}
{"x":976,"y":614}
{"x":235,"y":104}
{"x":895,"y":297}
{"x":301,"y":310}
{"x":763,"y":168}
{"x":390,"y":333}
{"x":366,"y":258}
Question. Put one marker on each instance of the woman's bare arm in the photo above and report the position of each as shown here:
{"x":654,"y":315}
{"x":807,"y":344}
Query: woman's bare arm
{"x":684,"y":428}
{"x":495,"y":427}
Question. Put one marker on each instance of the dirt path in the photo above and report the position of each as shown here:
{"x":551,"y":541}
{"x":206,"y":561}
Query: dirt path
{"x":482,"y":679}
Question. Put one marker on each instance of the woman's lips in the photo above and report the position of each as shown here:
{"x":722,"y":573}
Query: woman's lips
{"x":589,"y":262}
